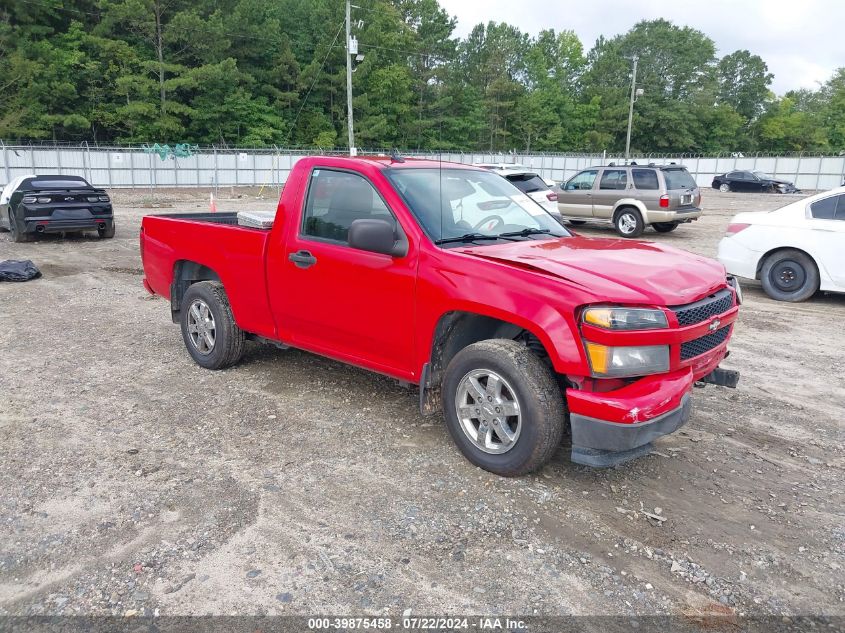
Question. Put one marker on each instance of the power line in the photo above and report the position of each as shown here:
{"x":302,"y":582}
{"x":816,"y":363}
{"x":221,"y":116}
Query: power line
{"x":313,"y":83}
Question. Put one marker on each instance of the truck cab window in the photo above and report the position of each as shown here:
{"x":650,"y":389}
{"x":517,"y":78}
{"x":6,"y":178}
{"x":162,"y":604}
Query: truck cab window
{"x":335,"y":200}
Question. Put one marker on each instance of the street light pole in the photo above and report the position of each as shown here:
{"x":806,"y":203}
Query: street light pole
{"x":630,"y":109}
{"x":352,"y":151}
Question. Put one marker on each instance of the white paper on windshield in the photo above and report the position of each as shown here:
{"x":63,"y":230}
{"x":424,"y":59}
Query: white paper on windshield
{"x":528,"y":205}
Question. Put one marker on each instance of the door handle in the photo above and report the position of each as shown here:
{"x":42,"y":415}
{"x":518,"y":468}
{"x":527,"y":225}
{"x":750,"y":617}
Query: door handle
{"x":302,"y":259}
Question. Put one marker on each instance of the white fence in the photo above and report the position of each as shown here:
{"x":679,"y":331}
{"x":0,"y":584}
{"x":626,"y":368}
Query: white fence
{"x":143,"y":167}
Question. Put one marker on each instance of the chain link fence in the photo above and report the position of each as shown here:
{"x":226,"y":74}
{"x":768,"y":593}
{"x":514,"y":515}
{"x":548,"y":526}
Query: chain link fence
{"x":183,"y":165}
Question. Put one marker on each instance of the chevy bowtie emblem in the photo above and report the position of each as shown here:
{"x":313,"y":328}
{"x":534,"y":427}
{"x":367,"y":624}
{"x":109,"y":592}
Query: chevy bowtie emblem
{"x":714,"y":324}
{"x":69,"y":198}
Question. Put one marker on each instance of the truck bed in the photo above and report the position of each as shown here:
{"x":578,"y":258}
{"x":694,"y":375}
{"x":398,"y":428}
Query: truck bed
{"x":234,"y":253}
{"x":213,"y":218}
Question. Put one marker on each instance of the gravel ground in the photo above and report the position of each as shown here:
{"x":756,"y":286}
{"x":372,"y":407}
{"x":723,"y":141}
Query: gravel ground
{"x":134,"y":482}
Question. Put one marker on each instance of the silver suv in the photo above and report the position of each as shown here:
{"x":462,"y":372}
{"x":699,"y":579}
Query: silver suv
{"x":631,"y":197}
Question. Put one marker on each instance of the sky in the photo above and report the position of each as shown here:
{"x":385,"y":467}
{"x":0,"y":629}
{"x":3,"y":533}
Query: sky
{"x":802,"y":41}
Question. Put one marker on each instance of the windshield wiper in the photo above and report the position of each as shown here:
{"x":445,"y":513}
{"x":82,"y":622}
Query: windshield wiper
{"x":467,"y":237}
{"x":525,"y":232}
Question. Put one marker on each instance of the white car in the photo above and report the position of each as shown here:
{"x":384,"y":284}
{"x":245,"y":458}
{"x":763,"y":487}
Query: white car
{"x":794,"y":251}
{"x":528,"y":182}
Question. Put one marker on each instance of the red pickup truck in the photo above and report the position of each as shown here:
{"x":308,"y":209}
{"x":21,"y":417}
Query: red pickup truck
{"x":449,"y":277}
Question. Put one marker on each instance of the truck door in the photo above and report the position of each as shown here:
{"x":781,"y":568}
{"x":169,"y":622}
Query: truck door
{"x":350,"y":304}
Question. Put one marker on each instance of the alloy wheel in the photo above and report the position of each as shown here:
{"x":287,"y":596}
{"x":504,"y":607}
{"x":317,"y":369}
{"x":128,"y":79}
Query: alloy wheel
{"x":201,"y":326}
{"x":488,"y":411}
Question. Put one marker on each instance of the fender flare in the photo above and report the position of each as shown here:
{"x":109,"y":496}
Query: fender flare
{"x":630,"y":202}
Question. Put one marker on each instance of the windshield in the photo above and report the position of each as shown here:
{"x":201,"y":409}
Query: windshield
{"x":678,"y":179}
{"x":527,"y":183}
{"x":451,"y":203}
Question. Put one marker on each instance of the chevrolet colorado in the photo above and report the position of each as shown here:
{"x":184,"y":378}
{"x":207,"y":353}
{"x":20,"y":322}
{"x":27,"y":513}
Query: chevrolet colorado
{"x":449,"y":277}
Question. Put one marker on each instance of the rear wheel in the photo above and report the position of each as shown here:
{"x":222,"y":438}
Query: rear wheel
{"x":17,"y":235}
{"x":211,"y":335}
{"x":724,"y":187}
{"x":665,"y":227}
{"x":629,"y":222}
{"x":503,"y":407}
{"x":107,"y":232}
{"x":790,"y":275}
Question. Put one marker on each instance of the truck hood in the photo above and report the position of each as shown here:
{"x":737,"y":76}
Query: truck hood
{"x":615,"y":270}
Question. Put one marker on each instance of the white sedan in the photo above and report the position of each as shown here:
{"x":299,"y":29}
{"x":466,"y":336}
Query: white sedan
{"x":794,"y":251}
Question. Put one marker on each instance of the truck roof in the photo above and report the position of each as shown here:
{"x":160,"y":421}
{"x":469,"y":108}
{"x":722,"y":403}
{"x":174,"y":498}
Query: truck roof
{"x":387,"y":162}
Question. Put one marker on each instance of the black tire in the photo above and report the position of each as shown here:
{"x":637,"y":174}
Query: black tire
{"x":229,"y":339}
{"x":628,"y":222}
{"x":107,"y":232}
{"x":665,"y":227}
{"x":576,"y":222}
{"x":790,"y":275}
{"x":538,"y":395}
{"x":17,"y":235}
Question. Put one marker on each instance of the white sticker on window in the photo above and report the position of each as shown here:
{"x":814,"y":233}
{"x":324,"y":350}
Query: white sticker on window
{"x":529,"y":205}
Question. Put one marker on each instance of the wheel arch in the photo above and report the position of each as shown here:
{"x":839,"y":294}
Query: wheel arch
{"x":458,"y":329}
{"x":777,"y":249}
{"x":629,"y":202}
{"x":186,"y":273}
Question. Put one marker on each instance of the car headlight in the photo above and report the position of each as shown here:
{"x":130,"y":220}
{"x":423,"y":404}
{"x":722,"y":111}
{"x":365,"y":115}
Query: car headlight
{"x":619,"y":362}
{"x":733,"y":282}
{"x":28,"y":200}
{"x":612,"y":318}
{"x":93,"y":198}
{"x":104,"y":199}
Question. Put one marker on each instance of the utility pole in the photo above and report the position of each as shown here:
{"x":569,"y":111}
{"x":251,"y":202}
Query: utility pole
{"x":630,"y":109}
{"x":352,"y":150}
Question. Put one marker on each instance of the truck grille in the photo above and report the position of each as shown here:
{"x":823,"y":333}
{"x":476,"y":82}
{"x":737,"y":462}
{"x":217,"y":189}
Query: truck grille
{"x":702,"y":310}
{"x":699,"y":346}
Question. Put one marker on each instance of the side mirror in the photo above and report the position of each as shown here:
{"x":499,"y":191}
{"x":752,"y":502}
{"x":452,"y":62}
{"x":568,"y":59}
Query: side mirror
{"x":377,"y":236}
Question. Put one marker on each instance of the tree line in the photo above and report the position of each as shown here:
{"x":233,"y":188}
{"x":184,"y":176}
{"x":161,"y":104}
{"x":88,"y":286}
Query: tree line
{"x":257,"y":73}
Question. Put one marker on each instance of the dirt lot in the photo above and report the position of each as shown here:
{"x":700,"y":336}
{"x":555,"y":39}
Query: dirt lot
{"x":133,"y":481}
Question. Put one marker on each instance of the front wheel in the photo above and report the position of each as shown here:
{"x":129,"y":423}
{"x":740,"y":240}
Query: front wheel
{"x":629,"y":222}
{"x":212,"y":337}
{"x":789,"y":275}
{"x":503,"y":407}
{"x":724,"y":187}
{"x":665,"y":227}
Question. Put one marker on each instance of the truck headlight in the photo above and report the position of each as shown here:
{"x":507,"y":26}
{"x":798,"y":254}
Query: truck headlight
{"x":613,"y":318}
{"x":618,"y":362}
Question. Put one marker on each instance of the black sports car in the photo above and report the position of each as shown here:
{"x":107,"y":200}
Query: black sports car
{"x":752,"y":181}
{"x":55,"y":204}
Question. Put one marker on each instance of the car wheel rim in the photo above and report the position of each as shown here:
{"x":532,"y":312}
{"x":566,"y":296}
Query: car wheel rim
{"x":201,"y":327}
{"x":488,"y":411}
{"x":788,"y":276}
{"x":627,"y":223}
{"x":724,"y":188}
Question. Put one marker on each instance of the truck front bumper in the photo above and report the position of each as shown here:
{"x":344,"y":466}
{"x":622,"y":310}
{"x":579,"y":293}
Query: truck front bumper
{"x":613,"y":427}
{"x":600,"y":443}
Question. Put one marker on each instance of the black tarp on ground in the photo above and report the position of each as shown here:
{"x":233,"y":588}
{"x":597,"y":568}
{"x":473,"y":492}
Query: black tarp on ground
{"x":13,"y":270}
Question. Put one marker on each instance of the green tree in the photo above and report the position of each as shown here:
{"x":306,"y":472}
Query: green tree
{"x":744,"y":81}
